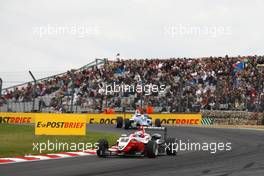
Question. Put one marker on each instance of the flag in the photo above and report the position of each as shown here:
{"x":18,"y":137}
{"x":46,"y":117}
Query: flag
{"x":240,"y":65}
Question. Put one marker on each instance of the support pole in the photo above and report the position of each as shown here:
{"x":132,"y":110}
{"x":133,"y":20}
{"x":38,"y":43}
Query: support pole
{"x":34,"y":90}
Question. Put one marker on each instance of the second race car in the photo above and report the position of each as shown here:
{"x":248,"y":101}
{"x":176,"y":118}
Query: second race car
{"x":136,"y":121}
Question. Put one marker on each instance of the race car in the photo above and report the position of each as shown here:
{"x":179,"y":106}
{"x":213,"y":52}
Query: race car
{"x":139,"y":144}
{"x":136,"y":121}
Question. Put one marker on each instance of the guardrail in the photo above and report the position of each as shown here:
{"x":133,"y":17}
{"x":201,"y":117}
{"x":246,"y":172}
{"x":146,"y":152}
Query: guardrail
{"x":204,"y":118}
{"x":165,"y":119}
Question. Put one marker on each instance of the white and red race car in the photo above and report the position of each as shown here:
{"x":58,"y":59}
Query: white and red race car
{"x":139,"y":143}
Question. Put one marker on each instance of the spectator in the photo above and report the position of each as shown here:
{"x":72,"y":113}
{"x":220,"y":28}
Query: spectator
{"x":191,"y":84}
{"x":149,"y":109}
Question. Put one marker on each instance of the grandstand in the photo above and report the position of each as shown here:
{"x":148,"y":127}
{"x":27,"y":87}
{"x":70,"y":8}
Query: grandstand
{"x":213,"y":83}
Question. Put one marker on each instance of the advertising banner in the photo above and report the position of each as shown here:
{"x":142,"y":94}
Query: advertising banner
{"x":60,"y":124}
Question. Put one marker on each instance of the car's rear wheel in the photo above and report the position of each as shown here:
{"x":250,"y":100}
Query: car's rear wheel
{"x":157,"y":123}
{"x":102,"y":148}
{"x":127,"y":123}
{"x":119,"y":122}
{"x":171,"y":149}
{"x":152,"y":149}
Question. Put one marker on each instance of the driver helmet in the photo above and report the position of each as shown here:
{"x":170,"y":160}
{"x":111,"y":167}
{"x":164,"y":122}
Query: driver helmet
{"x":138,"y":133}
{"x":137,"y":113}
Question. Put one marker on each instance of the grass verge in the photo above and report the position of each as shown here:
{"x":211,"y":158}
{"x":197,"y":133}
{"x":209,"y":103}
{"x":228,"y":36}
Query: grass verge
{"x":17,"y":140}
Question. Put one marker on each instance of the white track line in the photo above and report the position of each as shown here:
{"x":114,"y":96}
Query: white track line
{"x":80,"y":153}
{"x":39,"y":157}
{"x":61,"y":155}
{"x":14,"y":159}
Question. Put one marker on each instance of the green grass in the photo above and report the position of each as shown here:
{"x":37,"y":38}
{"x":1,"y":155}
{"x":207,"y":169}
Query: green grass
{"x":17,"y":140}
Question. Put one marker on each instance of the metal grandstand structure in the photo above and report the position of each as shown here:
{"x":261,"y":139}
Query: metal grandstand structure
{"x":34,"y":105}
{"x":91,"y":64}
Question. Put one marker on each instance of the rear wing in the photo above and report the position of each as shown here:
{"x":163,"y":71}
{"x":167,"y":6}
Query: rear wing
{"x":153,"y":128}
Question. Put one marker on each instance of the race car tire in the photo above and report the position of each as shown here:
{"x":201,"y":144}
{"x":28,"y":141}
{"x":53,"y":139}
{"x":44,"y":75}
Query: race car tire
{"x":157,"y":123}
{"x":152,"y":149}
{"x":127,"y":124}
{"x":170,"y":142}
{"x":102,"y":148}
{"x":119,"y":122}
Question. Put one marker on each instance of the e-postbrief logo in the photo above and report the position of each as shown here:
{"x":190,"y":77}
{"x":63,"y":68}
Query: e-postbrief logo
{"x":15,"y":120}
{"x":60,"y":124}
{"x":102,"y":120}
{"x":171,"y":121}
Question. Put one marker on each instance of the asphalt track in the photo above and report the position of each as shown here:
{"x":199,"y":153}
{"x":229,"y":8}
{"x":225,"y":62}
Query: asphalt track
{"x":245,"y":158}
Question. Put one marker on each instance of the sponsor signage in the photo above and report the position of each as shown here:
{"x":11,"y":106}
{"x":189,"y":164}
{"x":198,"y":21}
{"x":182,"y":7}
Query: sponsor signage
{"x":60,"y":124}
{"x":17,"y":118}
{"x":104,"y":118}
{"x":166,"y":119}
{"x":178,"y":119}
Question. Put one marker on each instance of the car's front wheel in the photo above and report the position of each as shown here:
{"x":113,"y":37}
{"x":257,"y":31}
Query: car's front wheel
{"x":127,"y":123}
{"x":102,"y":148}
{"x":119,"y":122}
{"x":152,"y":149}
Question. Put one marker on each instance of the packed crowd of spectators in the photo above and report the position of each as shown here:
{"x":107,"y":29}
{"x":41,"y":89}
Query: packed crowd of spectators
{"x":190,"y":85}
